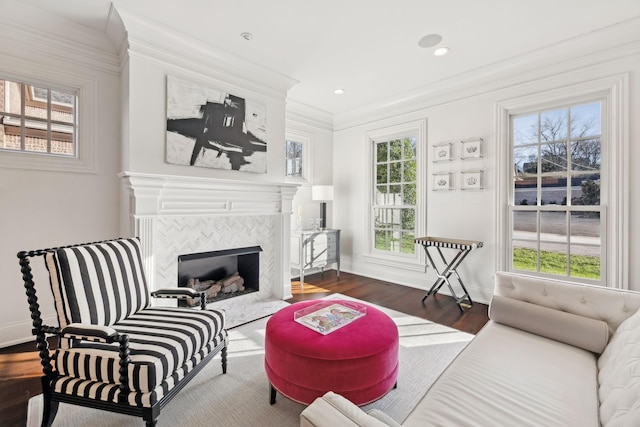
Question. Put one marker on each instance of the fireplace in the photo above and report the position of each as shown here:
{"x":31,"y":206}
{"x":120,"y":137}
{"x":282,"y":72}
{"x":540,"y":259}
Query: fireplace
{"x":218,"y":268}
{"x":175,"y":216}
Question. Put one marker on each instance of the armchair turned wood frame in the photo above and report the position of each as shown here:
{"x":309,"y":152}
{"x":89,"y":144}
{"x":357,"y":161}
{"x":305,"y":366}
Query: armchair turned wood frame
{"x":115,"y":351}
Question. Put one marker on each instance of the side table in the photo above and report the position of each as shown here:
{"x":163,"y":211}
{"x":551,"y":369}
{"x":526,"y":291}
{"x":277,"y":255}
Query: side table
{"x":315,"y":249}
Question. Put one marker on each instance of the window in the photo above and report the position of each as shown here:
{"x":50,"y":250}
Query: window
{"x":35,"y":119}
{"x":297,"y":154}
{"x":293,"y":158}
{"x":394,"y":194}
{"x":557,"y":221}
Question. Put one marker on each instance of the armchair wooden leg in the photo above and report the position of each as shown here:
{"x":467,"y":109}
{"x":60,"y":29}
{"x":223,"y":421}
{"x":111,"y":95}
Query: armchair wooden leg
{"x":49,"y":407}
{"x":223,"y":353}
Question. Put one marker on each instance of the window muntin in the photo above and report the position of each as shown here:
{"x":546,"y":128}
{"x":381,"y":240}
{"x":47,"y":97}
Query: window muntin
{"x":36,"y":119}
{"x":394,"y":195}
{"x":556,"y":215}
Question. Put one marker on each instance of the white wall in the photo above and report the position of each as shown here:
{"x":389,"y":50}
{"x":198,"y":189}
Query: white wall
{"x":41,"y":208}
{"x":456,"y":111}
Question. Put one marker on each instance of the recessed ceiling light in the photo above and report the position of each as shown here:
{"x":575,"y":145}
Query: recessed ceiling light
{"x":430,"y":40}
{"x":338,"y":91}
{"x":246,"y":36}
{"x":441,"y":51}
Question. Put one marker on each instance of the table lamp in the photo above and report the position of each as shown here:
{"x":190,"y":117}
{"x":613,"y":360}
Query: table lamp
{"x":323,"y":193}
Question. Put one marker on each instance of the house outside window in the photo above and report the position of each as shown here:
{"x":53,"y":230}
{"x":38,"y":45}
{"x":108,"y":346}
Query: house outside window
{"x":557,"y":218}
{"x":36,"y":119}
{"x":394,"y":194}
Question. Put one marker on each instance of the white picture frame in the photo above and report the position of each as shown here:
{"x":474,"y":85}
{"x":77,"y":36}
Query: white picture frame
{"x":471,"y":149}
{"x":472,"y":180}
{"x":443,"y":152}
{"x":442,"y":181}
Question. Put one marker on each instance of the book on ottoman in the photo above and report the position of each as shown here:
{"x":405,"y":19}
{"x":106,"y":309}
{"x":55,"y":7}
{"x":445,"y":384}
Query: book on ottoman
{"x":328,"y":316}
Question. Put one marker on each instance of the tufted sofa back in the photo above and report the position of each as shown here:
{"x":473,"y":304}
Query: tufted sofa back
{"x":612,"y":306}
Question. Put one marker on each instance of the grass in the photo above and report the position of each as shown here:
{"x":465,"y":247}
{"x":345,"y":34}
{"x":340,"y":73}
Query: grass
{"x":584,"y":266}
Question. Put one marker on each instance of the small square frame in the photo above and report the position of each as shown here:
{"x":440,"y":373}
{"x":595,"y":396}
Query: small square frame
{"x":472,"y":180}
{"x":443,"y":152}
{"x":471,"y":149}
{"x":442,"y":181}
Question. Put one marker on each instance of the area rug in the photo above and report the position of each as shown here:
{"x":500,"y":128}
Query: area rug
{"x":241,"y":397}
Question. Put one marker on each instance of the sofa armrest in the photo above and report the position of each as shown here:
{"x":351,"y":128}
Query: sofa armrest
{"x":584,"y":332}
{"x":333,"y":410}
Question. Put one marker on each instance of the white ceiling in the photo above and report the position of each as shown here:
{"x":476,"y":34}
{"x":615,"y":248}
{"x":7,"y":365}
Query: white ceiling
{"x":367,"y":47}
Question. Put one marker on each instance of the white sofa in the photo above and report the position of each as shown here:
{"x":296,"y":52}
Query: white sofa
{"x":552,"y":354}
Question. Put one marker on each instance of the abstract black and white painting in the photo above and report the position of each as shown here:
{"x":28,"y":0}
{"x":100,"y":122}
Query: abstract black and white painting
{"x":210,"y":128}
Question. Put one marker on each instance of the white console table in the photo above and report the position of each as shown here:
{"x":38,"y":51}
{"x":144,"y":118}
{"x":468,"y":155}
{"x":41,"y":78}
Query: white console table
{"x":315,"y":249}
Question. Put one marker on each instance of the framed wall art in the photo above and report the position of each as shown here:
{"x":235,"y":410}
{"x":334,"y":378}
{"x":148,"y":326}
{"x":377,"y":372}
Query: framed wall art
{"x":208,"y":127}
{"x":471,"y":149}
{"x":443,"y":152}
{"x":472,"y":180}
{"x":442,"y":181}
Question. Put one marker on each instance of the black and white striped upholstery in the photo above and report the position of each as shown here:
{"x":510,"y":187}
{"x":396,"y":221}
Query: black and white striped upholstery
{"x":102,"y":298}
{"x":98,"y":284}
{"x":162,"y":341}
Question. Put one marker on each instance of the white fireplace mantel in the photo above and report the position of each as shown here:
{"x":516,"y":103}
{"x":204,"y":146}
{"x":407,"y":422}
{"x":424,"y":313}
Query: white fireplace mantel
{"x":174,"y":215}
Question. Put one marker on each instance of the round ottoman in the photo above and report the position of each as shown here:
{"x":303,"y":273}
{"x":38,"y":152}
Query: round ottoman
{"x":358,"y":361}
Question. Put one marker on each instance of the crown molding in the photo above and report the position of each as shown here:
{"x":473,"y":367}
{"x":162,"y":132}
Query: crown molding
{"x":43,"y":34}
{"x":610,"y":44}
{"x":153,"y":41}
{"x":300,"y":113}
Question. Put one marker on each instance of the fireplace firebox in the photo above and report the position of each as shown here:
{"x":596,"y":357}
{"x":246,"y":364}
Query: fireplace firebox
{"x":221,"y":267}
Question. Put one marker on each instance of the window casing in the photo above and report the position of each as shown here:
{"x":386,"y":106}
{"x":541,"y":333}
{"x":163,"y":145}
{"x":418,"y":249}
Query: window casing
{"x":612,"y":92}
{"x":297,"y":157}
{"x":396,"y":199}
{"x":36,"y":119}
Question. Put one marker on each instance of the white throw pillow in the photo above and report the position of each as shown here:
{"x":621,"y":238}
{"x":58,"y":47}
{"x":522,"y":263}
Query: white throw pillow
{"x":619,"y":376}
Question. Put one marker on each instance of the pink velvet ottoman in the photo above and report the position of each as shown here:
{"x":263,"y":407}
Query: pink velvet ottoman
{"x":358,"y":361}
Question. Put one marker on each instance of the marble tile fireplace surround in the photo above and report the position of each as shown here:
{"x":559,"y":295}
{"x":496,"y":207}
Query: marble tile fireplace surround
{"x":175,"y":215}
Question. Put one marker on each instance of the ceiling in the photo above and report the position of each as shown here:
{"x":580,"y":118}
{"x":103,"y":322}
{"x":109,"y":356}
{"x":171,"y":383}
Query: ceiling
{"x":369,"y":48}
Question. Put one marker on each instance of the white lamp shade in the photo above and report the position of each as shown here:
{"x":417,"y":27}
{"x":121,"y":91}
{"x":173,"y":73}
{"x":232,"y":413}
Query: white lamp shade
{"x":322,"y":192}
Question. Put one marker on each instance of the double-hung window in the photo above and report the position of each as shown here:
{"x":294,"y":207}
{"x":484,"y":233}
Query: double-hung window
{"x":394,"y":194}
{"x":297,"y":153}
{"x":557,"y":219}
{"x":563,"y":181}
{"x":293,"y":158}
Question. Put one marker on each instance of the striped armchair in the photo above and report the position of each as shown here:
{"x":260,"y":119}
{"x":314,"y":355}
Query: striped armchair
{"x":116,"y":351}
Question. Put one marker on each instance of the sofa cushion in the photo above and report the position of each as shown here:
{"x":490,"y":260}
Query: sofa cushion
{"x":619,"y":376}
{"x":508,"y":377}
{"x":584,"y":332}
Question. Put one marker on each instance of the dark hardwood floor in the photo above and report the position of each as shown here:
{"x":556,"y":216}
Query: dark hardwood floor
{"x":437,"y":308}
{"x":20,"y":367}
